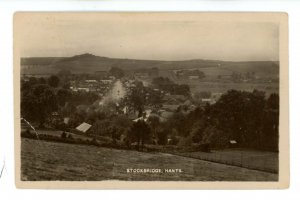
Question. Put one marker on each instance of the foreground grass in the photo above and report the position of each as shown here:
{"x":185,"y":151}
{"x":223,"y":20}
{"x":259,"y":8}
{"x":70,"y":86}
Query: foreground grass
{"x":257,"y":160}
{"x":42,"y":160}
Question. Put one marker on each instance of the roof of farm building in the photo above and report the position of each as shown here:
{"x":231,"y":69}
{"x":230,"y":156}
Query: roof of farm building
{"x":84,"y":127}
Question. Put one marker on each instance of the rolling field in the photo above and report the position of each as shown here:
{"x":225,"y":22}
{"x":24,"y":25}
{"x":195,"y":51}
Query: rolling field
{"x":42,"y":160}
{"x":212,"y":84}
{"x":264,"y":161}
{"x":224,"y":87}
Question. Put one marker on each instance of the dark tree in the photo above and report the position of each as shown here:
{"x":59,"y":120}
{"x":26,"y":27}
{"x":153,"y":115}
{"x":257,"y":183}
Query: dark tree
{"x":63,"y":96}
{"x":240,"y":115}
{"x":270,"y":127}
{"x":38,"y":103}
{"x":63,"y":135}
{"x":154,"y":123}
{"x":53,"y":81}
{"x":169,"y":86}
{"x":140,"y":132}
{"x":137,"y":99}
{"x":155,"y":98}
{"x":273,"y":101}
{"x":179,"y":122}
{"x":68,"y":109}
{"x":42,"y":81}
{"x":116,"y":72}
{"x":183,"y":90}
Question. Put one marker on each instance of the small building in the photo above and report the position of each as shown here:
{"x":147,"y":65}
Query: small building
{"x":108,"y":81}
{"x":139,"y":118}
{"x":91,"y":81}
{"x":84,"y":127}
{"x":206,"y":100}
{"x":83,"y":89}
{"x":233,"y":143}
{"x":66,"y":120}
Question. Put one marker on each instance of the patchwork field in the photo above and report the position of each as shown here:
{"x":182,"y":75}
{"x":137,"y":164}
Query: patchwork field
{"x":42,"y":160}
{"x":224,"y":87}
{"x":212,"y":84}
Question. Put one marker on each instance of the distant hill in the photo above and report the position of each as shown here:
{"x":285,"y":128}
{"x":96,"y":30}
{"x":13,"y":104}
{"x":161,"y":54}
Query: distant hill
{"x":40,"y":60}
{"x":88,"y":63}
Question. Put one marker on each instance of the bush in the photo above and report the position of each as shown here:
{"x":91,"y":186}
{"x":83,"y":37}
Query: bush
{"x":204,"y":147}
{"x":174,"y":140}
{"x":70,"y":136}
{"x":162,"y":137}
{"x":63,"y":135}
{"x":28,"y":134}
{"x":185,"y":141}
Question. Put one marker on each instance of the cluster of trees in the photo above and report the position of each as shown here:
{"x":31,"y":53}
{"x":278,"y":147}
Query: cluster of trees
{"x":202,"y":95}
{"x":237,"y":77}
{"x":41,"y":97}
{"x":140,"y":96}
{"x":37,"y":103}
{"x":246,"y":117}
{"x":116,"y":72}
{"x":249,"y":118}
{"x":167,"y":85}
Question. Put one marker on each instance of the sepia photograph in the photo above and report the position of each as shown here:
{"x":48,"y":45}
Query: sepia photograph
{"x":118,"y":100}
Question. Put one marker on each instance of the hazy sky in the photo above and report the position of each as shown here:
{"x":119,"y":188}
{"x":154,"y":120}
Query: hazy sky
{"x":128,"y":37}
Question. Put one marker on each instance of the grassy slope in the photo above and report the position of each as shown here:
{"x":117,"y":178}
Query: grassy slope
{"x":264,"y":161}
{"x":56,"y":161}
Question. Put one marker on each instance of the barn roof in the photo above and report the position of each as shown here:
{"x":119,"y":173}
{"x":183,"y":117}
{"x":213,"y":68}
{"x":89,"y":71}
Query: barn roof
{"x":84,"y":127}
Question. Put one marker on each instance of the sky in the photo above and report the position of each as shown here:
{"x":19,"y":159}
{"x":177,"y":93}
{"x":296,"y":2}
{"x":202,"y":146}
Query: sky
{"x":146,"y":37}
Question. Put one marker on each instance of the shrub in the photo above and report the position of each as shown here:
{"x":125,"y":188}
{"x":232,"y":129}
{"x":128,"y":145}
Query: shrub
{"x":63,"y":135}
{"x":70,"y":136}
{"x":204,"y":147}
{"x":185,"y":141}
{"x":174,"y":140}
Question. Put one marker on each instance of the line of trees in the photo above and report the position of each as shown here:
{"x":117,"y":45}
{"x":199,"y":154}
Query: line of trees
{"x":167,"y":85}
{"x":41,"y":97}
{"x":246,"y":117}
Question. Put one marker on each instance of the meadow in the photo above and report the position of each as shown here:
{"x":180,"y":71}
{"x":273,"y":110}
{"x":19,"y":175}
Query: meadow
{"x":41,"y":160}
{"x":215,"y":85}
{"x":264,"y":160}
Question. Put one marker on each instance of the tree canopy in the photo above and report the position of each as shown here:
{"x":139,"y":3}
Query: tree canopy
{"x":53,"y":81}
{"x":38,"y":103}
{"x":116,"y":72}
